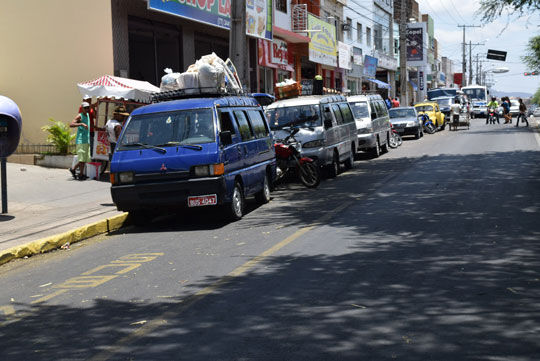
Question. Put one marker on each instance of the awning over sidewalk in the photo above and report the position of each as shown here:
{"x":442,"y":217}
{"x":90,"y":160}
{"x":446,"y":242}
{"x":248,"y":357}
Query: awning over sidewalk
{"x":117,"y":87}
{"x":380,"y":84}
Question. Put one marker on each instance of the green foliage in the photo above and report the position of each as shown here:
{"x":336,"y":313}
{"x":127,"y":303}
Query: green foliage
{"x":536,"y":97}
{"x":491,"y":9}
{"x":532,"y":59}
{"x":59,"y":135}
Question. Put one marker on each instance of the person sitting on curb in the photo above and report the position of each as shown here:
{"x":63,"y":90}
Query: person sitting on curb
{"x":82,"y":123}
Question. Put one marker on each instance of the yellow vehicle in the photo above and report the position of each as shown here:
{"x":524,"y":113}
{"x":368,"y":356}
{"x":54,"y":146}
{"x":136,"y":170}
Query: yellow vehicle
{"x":432,"y":110}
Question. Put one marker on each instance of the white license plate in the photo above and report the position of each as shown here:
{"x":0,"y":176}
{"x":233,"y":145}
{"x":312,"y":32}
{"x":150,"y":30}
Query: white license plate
{"x":199,"y":201}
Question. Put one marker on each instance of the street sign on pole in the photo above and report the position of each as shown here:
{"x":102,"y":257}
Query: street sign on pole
{"x":496,"y":55}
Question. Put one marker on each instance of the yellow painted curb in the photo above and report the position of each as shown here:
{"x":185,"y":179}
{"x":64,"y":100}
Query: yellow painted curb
{"x":54,"y":242}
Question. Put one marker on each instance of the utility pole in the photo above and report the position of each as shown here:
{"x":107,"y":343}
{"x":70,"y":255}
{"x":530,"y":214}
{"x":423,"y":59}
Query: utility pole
{"x":470,"y":62}
{"x":238,"y":45}
{"x":404,"y":96}
{"x":464,"y":63}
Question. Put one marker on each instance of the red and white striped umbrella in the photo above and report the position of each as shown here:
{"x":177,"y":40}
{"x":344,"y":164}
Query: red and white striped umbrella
{"x":119,"y":88}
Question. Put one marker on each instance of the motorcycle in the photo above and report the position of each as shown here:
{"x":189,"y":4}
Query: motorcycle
{"x":289,"y":160}
{"x":492,"y":117}
{"x":395,"y":138}
{"x":428,"y":125}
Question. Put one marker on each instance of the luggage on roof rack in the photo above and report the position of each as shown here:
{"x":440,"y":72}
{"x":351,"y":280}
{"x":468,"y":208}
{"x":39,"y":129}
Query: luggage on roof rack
{"x":200,"y":92}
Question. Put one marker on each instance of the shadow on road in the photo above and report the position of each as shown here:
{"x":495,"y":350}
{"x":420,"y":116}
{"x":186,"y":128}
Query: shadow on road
{"x":443,"y":264}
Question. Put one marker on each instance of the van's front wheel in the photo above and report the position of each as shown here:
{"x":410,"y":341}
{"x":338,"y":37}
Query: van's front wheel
{"x":236,"y":207}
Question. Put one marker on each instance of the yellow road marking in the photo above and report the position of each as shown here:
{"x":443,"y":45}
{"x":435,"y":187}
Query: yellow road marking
{"x":152,"y":325}
{"x":7,"y":310}
{"x":49,"y":296}
{"x":126,"y":268}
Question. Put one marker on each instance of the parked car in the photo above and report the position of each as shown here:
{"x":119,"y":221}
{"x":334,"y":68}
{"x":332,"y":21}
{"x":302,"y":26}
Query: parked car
{"x":536,"y":112}
{"x":514,"y":107}
{"x":405,"y":121}
{"x":193,"y":152}
{"x":432,"y":110}
{"x":327,"y":128}
{"x":531,"y":109}
{"x":373,"y":123}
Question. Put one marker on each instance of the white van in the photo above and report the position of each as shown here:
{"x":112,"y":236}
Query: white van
{"x":327,"y":128}
{"x":373,"y":123}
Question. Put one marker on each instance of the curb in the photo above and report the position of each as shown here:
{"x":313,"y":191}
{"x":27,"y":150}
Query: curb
{"x":54,"y":242}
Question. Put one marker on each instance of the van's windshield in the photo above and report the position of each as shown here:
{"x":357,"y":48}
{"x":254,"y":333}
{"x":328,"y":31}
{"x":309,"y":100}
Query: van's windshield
{"x":360,"y":109}
{"x":303,"y":116}
{"x":187,"y":127}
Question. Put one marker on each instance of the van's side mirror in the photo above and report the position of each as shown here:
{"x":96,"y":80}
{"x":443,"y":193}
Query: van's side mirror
{"x":226,"y":137}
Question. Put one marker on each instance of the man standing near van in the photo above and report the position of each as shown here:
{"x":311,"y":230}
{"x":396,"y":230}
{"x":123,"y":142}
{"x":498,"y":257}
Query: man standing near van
{"x":114,"y":127}
{"x":82,"y":123}
{"x":388,"y":102}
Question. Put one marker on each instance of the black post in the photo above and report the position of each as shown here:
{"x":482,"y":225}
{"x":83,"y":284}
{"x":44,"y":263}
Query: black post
{"x":4,"y":186}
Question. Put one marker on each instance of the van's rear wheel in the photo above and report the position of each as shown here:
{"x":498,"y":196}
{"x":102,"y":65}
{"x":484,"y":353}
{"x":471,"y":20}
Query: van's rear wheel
{"x":236,"y":207}
{"x":384,"y":148}
{"x":263,"y":196}
{"x":376,"y":150}
{"x":350,"y":161}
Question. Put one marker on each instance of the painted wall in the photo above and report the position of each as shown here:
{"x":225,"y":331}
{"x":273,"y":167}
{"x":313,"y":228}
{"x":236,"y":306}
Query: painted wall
{"x":47,"y":47}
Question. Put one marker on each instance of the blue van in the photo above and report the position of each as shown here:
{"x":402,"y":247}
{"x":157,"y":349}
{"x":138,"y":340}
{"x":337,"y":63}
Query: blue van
{"x":207,"y":151}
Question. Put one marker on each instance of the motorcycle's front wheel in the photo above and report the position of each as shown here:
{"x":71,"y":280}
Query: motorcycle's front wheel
{"x":309,"y":174}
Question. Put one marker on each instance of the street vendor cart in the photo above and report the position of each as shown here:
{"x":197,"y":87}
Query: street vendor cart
{"x":110,"y":92}
{"x":464,"y":121}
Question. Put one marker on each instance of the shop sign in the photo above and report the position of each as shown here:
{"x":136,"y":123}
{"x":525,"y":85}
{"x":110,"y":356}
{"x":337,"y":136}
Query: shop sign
{"x":270,"y":59}
{"x":421,"y":80}
{"x":280,"y":53}
{"x":345,"y":52}
{"x":387,"y":62}
{"x":370,"y":66}
{"x":218,"y":13}
{"x":416,"y":38}
{"x":323,"y":44}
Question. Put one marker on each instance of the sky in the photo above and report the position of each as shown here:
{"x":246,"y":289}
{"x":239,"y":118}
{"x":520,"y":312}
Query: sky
{"x":506,"y":33}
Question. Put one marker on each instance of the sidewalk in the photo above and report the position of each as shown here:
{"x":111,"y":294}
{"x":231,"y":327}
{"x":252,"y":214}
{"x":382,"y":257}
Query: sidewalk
{"x":47,"y":208}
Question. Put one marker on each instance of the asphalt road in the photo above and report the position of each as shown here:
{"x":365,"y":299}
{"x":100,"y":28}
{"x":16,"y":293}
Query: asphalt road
{"x":430,"y":252}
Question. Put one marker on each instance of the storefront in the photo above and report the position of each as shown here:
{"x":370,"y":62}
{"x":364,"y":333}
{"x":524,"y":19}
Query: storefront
{"x":275,"y":63}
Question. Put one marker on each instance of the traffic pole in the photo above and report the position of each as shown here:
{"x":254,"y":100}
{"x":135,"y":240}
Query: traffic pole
{"x":4,"y":186}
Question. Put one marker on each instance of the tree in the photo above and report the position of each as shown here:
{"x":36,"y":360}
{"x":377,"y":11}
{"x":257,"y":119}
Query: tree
{"x":536,"y":97}
{"x":532,"y":59}
{"x":491,"y":9}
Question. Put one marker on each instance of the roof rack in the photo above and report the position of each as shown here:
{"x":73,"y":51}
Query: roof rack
{"x":201,"y":92}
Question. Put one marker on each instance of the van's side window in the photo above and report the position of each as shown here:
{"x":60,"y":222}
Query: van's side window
{"x":378,"y":106}
{"x":347,"y":114}
{"x":243,"y":125}
{"x":225,"y":122}
{"x":383,"y":108}
{"x":259,"y":125}
{"x":337,"y":113}
{"x":372,"y":107}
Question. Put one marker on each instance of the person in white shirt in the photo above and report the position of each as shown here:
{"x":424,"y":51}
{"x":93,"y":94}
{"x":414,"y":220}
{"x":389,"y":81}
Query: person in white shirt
{"x":114,"y":127}
{"x":456,"y":109}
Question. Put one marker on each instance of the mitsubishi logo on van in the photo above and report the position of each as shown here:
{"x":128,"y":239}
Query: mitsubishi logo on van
{"x":163,"y":168}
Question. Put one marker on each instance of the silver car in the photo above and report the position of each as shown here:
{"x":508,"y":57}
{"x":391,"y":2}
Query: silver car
{"x":405,"y":121}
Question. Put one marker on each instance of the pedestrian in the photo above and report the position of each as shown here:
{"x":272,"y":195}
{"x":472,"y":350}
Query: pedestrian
{"x":88,"y":99}
{"x":456,"y":109}
{"x":522,"y":113}
{"x":388,"y":102}
{"x":82,"y":140}
{"x":114,"y":127}
{"x":395,"y":103}
{"x":506,"y":110}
